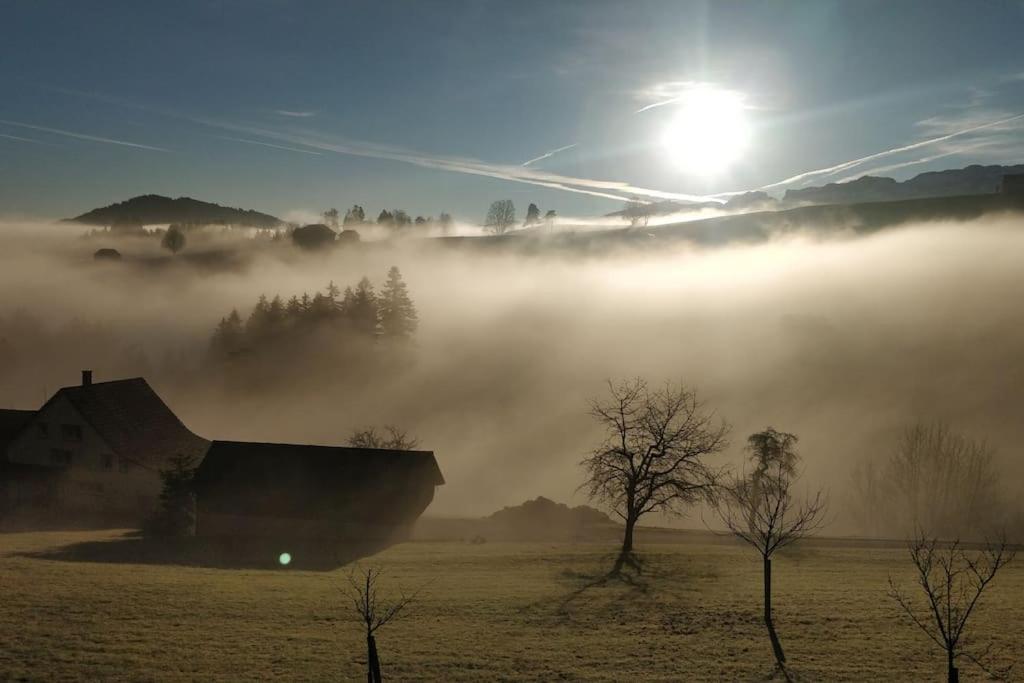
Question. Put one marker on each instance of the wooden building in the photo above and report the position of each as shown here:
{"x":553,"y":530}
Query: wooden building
{"x":247,"y":490}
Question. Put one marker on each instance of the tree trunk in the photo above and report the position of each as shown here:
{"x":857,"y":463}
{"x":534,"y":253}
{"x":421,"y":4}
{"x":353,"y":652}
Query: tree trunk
{"x":780,"y":656}
{"x":627,"y":540}
{"x":372,"y":663}
{"x":627,"y":545}
{"x":953,"y":675}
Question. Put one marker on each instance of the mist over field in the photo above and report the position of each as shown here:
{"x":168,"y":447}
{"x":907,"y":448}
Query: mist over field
{"x":844,"y":341}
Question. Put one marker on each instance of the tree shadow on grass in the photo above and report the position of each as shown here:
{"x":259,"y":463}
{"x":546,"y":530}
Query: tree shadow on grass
{"x":626,"y":572}
{"x":228,"y":553}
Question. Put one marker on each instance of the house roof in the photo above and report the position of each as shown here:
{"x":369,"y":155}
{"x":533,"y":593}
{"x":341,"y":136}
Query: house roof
{"x":277,"y":464}
{"x":11,"y":424}
{"x":133,"y":421}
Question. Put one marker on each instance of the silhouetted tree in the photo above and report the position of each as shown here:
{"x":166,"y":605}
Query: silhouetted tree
{"x":315,"y":236}
{"x":385,"y":218}
{"x":653,"y":454}
{"x":532,"y":215}
{"x":636,"y":212}
{"x":174,"y":239}
{"x":401,"y":218}
{"x":760,"y":509}
{"x":176,"y":515}
{"x":392,"y":438}
{"x":361,"y":308}
{"x":420,"y":220}
{"x":227,"y":338}
{"x":501,"y":216}
{"x":445,"y":222}
{"x":397,"y":312}
{"x":935,"y":480}
{"x":373,"y":613}
{"x":354,"y":216}
{"x":331,"y":218}
{"x":953,"y":579}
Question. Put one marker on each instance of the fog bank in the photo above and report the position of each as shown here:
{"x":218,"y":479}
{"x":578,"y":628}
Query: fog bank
{"x":843,"y":341}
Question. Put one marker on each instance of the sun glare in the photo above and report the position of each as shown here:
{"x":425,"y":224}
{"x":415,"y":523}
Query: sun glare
{"x":708,"y":133}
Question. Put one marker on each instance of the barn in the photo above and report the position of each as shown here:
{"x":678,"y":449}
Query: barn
{"x":265,"y":490}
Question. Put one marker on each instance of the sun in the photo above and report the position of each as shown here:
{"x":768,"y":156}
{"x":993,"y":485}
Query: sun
{"x":708,"y":133}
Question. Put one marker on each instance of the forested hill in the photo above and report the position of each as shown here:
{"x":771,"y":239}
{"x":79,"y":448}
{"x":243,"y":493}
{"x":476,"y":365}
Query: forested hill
{"x":152,"y":209}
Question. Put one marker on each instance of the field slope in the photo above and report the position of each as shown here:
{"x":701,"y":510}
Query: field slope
{"x":488,"y":612}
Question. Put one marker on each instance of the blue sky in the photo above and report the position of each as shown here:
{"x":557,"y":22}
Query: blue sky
{"x":287,"y":106}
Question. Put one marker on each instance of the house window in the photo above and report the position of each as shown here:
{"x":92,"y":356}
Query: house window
{"x":71,"y":432}
{"x":42,"y":430}
{"x":60,"y":457}
{"x":108,"y":461}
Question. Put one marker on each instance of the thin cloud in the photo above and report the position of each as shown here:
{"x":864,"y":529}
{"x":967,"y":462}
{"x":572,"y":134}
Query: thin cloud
{"x":295,"y":114}
{"x":270,"y":144}
{"x":548,"y":155}
{"x":83,"y":136}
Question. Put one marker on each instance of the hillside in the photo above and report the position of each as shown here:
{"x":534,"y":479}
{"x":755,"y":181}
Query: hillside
{"x":953,"y":182}
{"x":152,"y":209}
{"x":759,"y":226}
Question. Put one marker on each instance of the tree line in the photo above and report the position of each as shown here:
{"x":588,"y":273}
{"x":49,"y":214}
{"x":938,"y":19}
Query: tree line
{"x":358,"y":312}
{"x":500,"y":218}
{"x":389,"y":218}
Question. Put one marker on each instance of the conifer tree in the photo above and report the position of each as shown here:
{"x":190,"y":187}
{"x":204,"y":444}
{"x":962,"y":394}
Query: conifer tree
{"x":397,"y":313}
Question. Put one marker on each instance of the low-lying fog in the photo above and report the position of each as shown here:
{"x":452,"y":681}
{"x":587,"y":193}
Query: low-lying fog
{"x":843,"y":341}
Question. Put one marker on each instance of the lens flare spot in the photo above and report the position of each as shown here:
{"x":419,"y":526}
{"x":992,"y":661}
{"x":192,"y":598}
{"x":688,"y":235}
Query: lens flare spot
{"x":284,"y":559}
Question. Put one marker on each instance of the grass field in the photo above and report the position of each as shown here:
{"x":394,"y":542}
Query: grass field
{"x":488,"y":612}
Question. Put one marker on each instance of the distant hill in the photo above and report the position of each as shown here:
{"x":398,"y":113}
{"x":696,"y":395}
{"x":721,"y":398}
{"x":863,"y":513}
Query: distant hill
{"x":957,"y":182}
{"x":153,"y":209}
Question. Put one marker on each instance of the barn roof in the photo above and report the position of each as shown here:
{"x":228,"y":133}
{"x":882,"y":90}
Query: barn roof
{"x":11,"y":424}
{"x":134,"y":421}
{"x":277,"y":464}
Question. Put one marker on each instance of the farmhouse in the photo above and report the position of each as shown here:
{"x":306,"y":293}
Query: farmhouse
{"x":95,"y":449}
{"x":296,"y":491}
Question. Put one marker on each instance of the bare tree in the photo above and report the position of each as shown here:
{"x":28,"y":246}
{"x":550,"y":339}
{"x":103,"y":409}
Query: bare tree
{"x":393,"y":438}
{"x":653,"y":454}
{"x":636,"y":212}
{"x":935,"y":480}
{"x":953,"y":579}
{"x":501,"y":216}
{"x":374,"y":613}
{"x":760,"y":508}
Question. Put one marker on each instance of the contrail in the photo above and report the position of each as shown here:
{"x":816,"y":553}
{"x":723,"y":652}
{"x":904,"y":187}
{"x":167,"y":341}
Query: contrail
{"x":658,"y":104}
{"x":546,"y":155}
{"x":268,"y":144}
{"x":608,"y":189}
{"x":902,"y":164}
{"x":21,"y":139}
{"x":896,"y":150}
{"x":83,"y":136}
{"x":295,"y":114}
